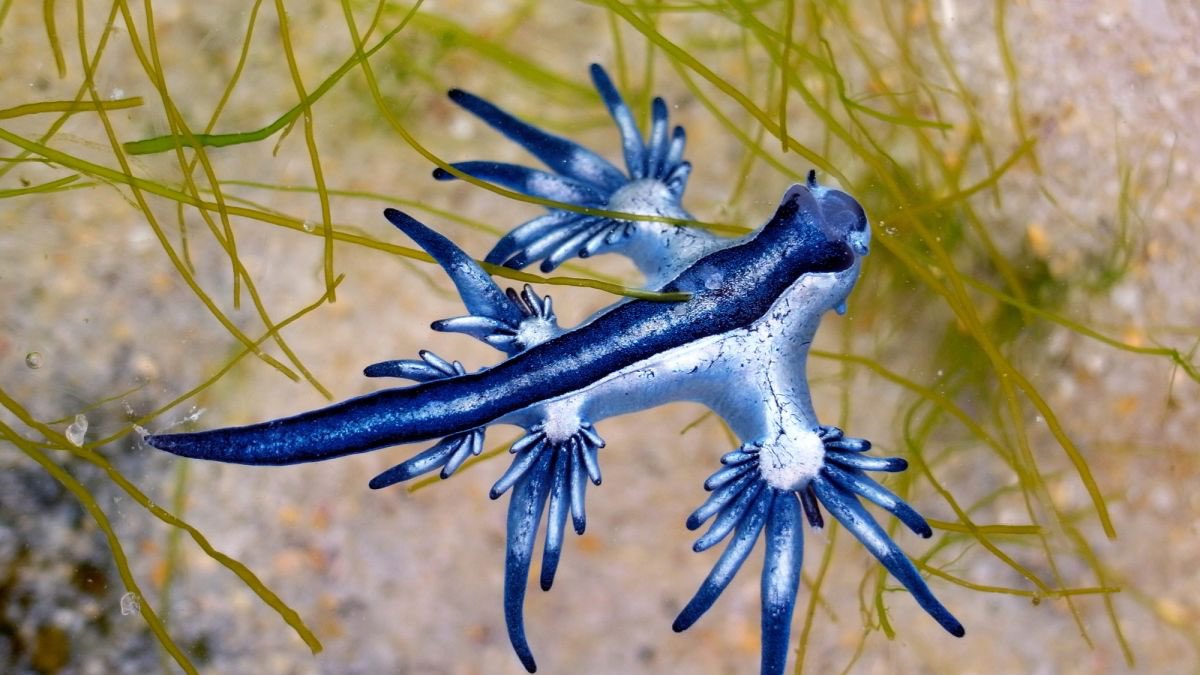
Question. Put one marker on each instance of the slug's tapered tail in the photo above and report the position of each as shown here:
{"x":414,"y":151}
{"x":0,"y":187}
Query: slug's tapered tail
{"x":380,"y":419}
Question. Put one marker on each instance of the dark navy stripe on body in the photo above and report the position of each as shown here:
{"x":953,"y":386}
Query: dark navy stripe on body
{"x":752,"y":277}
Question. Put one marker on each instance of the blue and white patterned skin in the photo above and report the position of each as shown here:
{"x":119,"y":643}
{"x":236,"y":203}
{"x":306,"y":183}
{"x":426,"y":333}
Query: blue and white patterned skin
{"x":738,"y":345}
{"x":657,"y":176}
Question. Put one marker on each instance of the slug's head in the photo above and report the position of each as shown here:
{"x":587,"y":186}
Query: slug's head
{"x":830,"y":233}
{"x":842,"y":217}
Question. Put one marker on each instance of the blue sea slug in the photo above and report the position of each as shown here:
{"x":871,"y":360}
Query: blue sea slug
{"x":737,"y":345}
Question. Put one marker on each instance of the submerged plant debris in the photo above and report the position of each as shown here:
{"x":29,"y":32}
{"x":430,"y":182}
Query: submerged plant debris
{"x":190,"y":207}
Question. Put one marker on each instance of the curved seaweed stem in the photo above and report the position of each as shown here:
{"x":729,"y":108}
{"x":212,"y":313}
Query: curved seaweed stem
{"x":58,"y":442}
{"x":950,"y":177}
{"x":52,"y":34}
{"x":246,"y":351}
{"x":786,"y":61}
{"x":98,"y":106}
{"x":155,"y":72}
{"x":101,"y":45}
{"x":310,"y":140}
{"x":249,"y":578}
{"x":166,"y":142}
{"x":362,"y":59}
{"x":683,"y":57}
{"x":171,"y":557}
{"x":121,"y":560}
{"x":70,"y":107}
{"x":1173,"y":355}
{"x":1010,"y":70}
{"x":51,"y":186}
{"x":296,"y":224}
{"x":152,"y":220}
{"x":153,"y":68}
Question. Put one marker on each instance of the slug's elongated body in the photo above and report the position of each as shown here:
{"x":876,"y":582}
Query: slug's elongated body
{"x":640,"y":334}
{"x":738,"y":345}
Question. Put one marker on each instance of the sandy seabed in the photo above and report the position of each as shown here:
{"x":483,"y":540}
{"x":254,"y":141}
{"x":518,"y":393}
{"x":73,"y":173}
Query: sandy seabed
{"x":411,"y":583}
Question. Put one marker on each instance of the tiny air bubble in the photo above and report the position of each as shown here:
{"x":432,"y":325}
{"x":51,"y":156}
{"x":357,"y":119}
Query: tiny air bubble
{"x":77,"y":430}
{"x":130,"y":604}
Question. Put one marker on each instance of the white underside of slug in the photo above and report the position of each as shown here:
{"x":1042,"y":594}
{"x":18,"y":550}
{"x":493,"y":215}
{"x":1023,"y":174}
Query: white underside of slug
{"x":754,"y":378}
